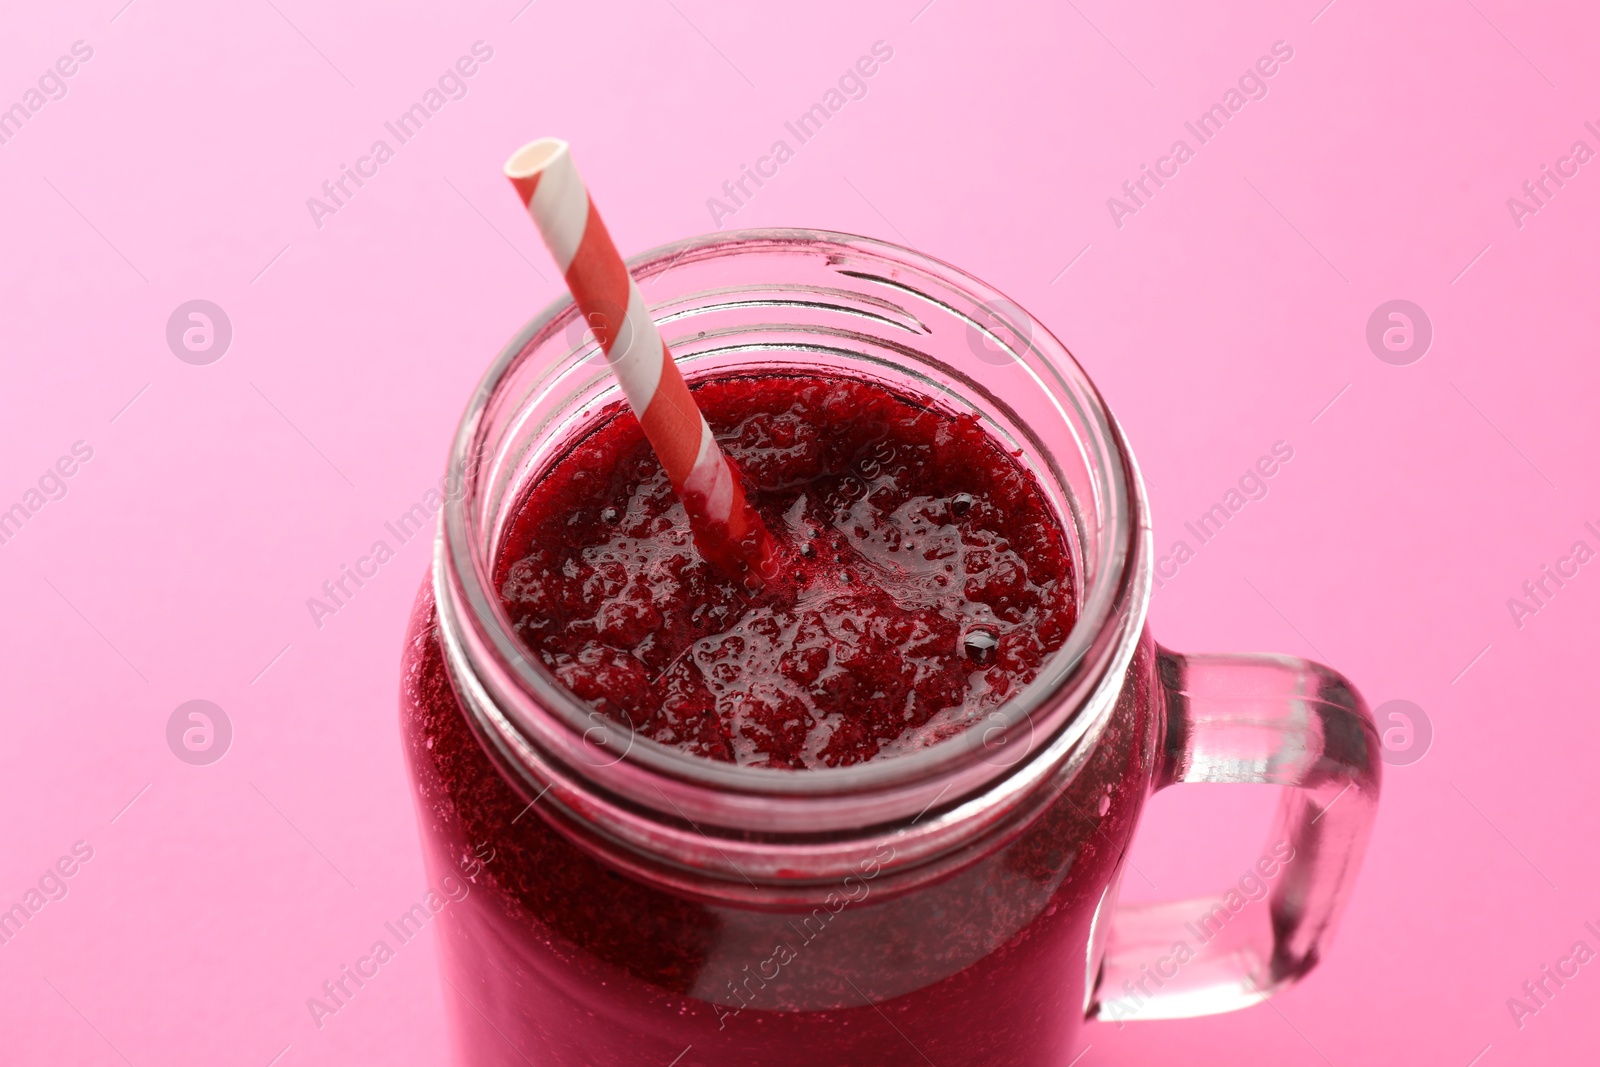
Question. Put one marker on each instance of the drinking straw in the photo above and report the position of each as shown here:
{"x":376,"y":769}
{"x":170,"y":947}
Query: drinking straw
{"x":727,"y":531}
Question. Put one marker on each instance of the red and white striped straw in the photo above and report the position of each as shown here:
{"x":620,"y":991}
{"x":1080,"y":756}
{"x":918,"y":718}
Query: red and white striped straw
{"x":727,"y":530}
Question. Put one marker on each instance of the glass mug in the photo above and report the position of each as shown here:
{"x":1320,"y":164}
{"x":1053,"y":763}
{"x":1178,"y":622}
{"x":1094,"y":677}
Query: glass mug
{"x":626,"y":903}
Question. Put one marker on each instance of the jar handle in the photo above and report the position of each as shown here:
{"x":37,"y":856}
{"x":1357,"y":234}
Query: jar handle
{"x":1276,"y":720}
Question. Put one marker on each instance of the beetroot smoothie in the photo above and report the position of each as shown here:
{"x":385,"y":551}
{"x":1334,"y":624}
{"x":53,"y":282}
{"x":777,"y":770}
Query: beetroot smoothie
{"x":924,"y":581}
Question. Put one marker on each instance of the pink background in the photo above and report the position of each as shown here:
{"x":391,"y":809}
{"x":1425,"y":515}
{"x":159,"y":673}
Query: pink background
{"x":1224,"y":316}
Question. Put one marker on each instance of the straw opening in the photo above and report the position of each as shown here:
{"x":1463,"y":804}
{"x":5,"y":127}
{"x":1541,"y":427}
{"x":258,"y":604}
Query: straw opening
{"x":534,"y":157}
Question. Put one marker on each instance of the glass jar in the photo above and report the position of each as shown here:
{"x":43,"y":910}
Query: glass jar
{"x":626,"y":903}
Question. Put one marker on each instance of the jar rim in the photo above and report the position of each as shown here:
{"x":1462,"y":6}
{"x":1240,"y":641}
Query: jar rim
{"x":1096,"y":651}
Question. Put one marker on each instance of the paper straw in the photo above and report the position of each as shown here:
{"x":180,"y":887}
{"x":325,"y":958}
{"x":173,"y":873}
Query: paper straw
{"x":727,"y":530}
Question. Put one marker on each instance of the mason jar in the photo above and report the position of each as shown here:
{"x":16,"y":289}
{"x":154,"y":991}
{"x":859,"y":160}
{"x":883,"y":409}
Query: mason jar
{"x":628,"y":903}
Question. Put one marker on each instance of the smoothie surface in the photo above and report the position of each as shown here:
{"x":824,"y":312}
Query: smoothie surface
{"x":924,"y":578}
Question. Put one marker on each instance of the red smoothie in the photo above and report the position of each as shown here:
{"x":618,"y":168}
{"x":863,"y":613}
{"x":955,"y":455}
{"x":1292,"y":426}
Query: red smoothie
{"x":924,"y":581}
